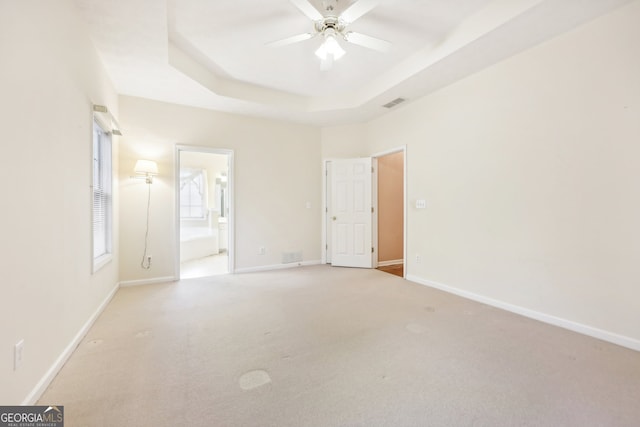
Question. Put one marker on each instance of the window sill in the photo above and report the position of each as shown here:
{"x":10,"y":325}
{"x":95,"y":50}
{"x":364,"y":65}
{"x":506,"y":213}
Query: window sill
{"x":101,"y":261}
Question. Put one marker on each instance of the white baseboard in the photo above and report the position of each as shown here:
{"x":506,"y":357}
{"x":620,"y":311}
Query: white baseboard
{"x":44,"y":382}
{"x":140,"y":282}
{"x":276,"y":266}
{"x":611,"y":337}
{"x":392,"y":262}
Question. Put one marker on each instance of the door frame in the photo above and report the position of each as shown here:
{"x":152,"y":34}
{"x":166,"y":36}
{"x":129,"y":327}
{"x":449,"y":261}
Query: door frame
{"x":231,"y":190}
{"x":326,"y":204}
{"x":326,"y":225}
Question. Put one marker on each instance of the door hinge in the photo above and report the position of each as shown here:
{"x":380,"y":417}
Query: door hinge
{"x":372,"y":169}
{"x":326,"y":247}
{"x":371,"y":209}
{"x":371,"y":250}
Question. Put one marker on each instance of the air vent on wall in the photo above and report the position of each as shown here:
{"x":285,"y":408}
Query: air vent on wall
{"x":394,"y":103}
{"x":289,"y":257}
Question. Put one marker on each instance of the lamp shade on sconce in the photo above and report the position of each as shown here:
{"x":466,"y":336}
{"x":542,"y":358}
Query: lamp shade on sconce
{"x":146,"y":167}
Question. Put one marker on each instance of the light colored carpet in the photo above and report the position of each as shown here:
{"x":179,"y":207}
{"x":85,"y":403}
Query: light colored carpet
{"x":322,"y":346}
{"x":204,"y":267}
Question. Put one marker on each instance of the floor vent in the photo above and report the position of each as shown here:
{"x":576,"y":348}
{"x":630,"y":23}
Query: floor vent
{"x":394,"y":103}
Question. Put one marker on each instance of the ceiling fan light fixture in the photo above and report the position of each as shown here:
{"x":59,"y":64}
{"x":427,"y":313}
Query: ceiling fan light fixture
{"x":330,"y":46}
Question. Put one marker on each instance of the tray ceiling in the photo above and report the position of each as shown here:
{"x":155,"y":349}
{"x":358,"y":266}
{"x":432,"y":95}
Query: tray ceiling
{"x":213,"y":54}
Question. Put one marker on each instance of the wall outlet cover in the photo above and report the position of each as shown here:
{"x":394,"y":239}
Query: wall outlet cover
{"x":17,"y":354}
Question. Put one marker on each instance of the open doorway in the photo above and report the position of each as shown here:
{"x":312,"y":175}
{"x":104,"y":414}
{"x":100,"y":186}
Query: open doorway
{"x":390,"y":193}
{"x":385,"y":228}
{"x":204,"y":211}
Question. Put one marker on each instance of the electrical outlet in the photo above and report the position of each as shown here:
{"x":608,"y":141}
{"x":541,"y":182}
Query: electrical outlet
{"x":262,"y":250}
{"x":17,"y":354}
{"x":418,"y":259}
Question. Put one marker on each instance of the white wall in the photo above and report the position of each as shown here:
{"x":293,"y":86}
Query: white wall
{"x":344,"y":141}
{"x":277,"y":170}
{"x":530,"y":173}
{"x":49,"y":77}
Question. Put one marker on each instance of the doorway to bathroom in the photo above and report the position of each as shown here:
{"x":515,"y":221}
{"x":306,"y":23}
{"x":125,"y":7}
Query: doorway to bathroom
{"x":204,"y":206}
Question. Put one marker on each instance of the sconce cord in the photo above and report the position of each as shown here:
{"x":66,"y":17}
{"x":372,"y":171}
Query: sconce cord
{"x":146,"y":263}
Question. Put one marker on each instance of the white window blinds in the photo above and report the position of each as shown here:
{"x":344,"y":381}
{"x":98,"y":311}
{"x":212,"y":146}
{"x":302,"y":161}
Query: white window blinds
{"x":102,"y":199}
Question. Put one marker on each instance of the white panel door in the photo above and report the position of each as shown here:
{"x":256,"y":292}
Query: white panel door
{"x":351,"y":214}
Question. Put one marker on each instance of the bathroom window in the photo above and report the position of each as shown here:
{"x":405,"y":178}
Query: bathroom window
{"x":102,"y":198}
{"x":193,"y":190}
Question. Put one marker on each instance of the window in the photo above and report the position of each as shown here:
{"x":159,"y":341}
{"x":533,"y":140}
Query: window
{"x":193,"y":191}
{"x":102,"y":199}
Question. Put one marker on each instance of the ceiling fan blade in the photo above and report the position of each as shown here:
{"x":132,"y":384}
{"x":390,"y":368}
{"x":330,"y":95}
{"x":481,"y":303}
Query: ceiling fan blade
{"x":291,"y":40}
{"x":368,"y":41}
{"x":358,"y":9}
{"x":308,"y":9}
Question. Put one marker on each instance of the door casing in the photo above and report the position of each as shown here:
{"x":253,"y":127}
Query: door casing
{"x":230,"y":188}
{"x":326,"y":198}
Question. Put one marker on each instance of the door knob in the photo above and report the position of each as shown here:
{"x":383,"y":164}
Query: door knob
{"x":334,"y":218}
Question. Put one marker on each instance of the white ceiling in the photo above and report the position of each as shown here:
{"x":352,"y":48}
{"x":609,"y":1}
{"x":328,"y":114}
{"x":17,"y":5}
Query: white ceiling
{"x":212,"y":53}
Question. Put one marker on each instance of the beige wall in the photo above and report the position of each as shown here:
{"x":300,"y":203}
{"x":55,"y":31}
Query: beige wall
{"x":49,"y":77}
{"x":391,"y":207}
{"x":530,"y":173}
{"x":344,"y":142}
{"x":277,"y":171}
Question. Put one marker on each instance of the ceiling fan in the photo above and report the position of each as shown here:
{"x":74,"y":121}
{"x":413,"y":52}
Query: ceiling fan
{"x":333,"y":27}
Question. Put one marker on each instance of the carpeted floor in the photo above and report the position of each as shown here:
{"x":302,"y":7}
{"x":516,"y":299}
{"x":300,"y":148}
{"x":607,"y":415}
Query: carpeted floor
{"x":322,"y":346}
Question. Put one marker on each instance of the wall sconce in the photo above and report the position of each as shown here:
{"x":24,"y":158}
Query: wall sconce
{"x":145,"y":169}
